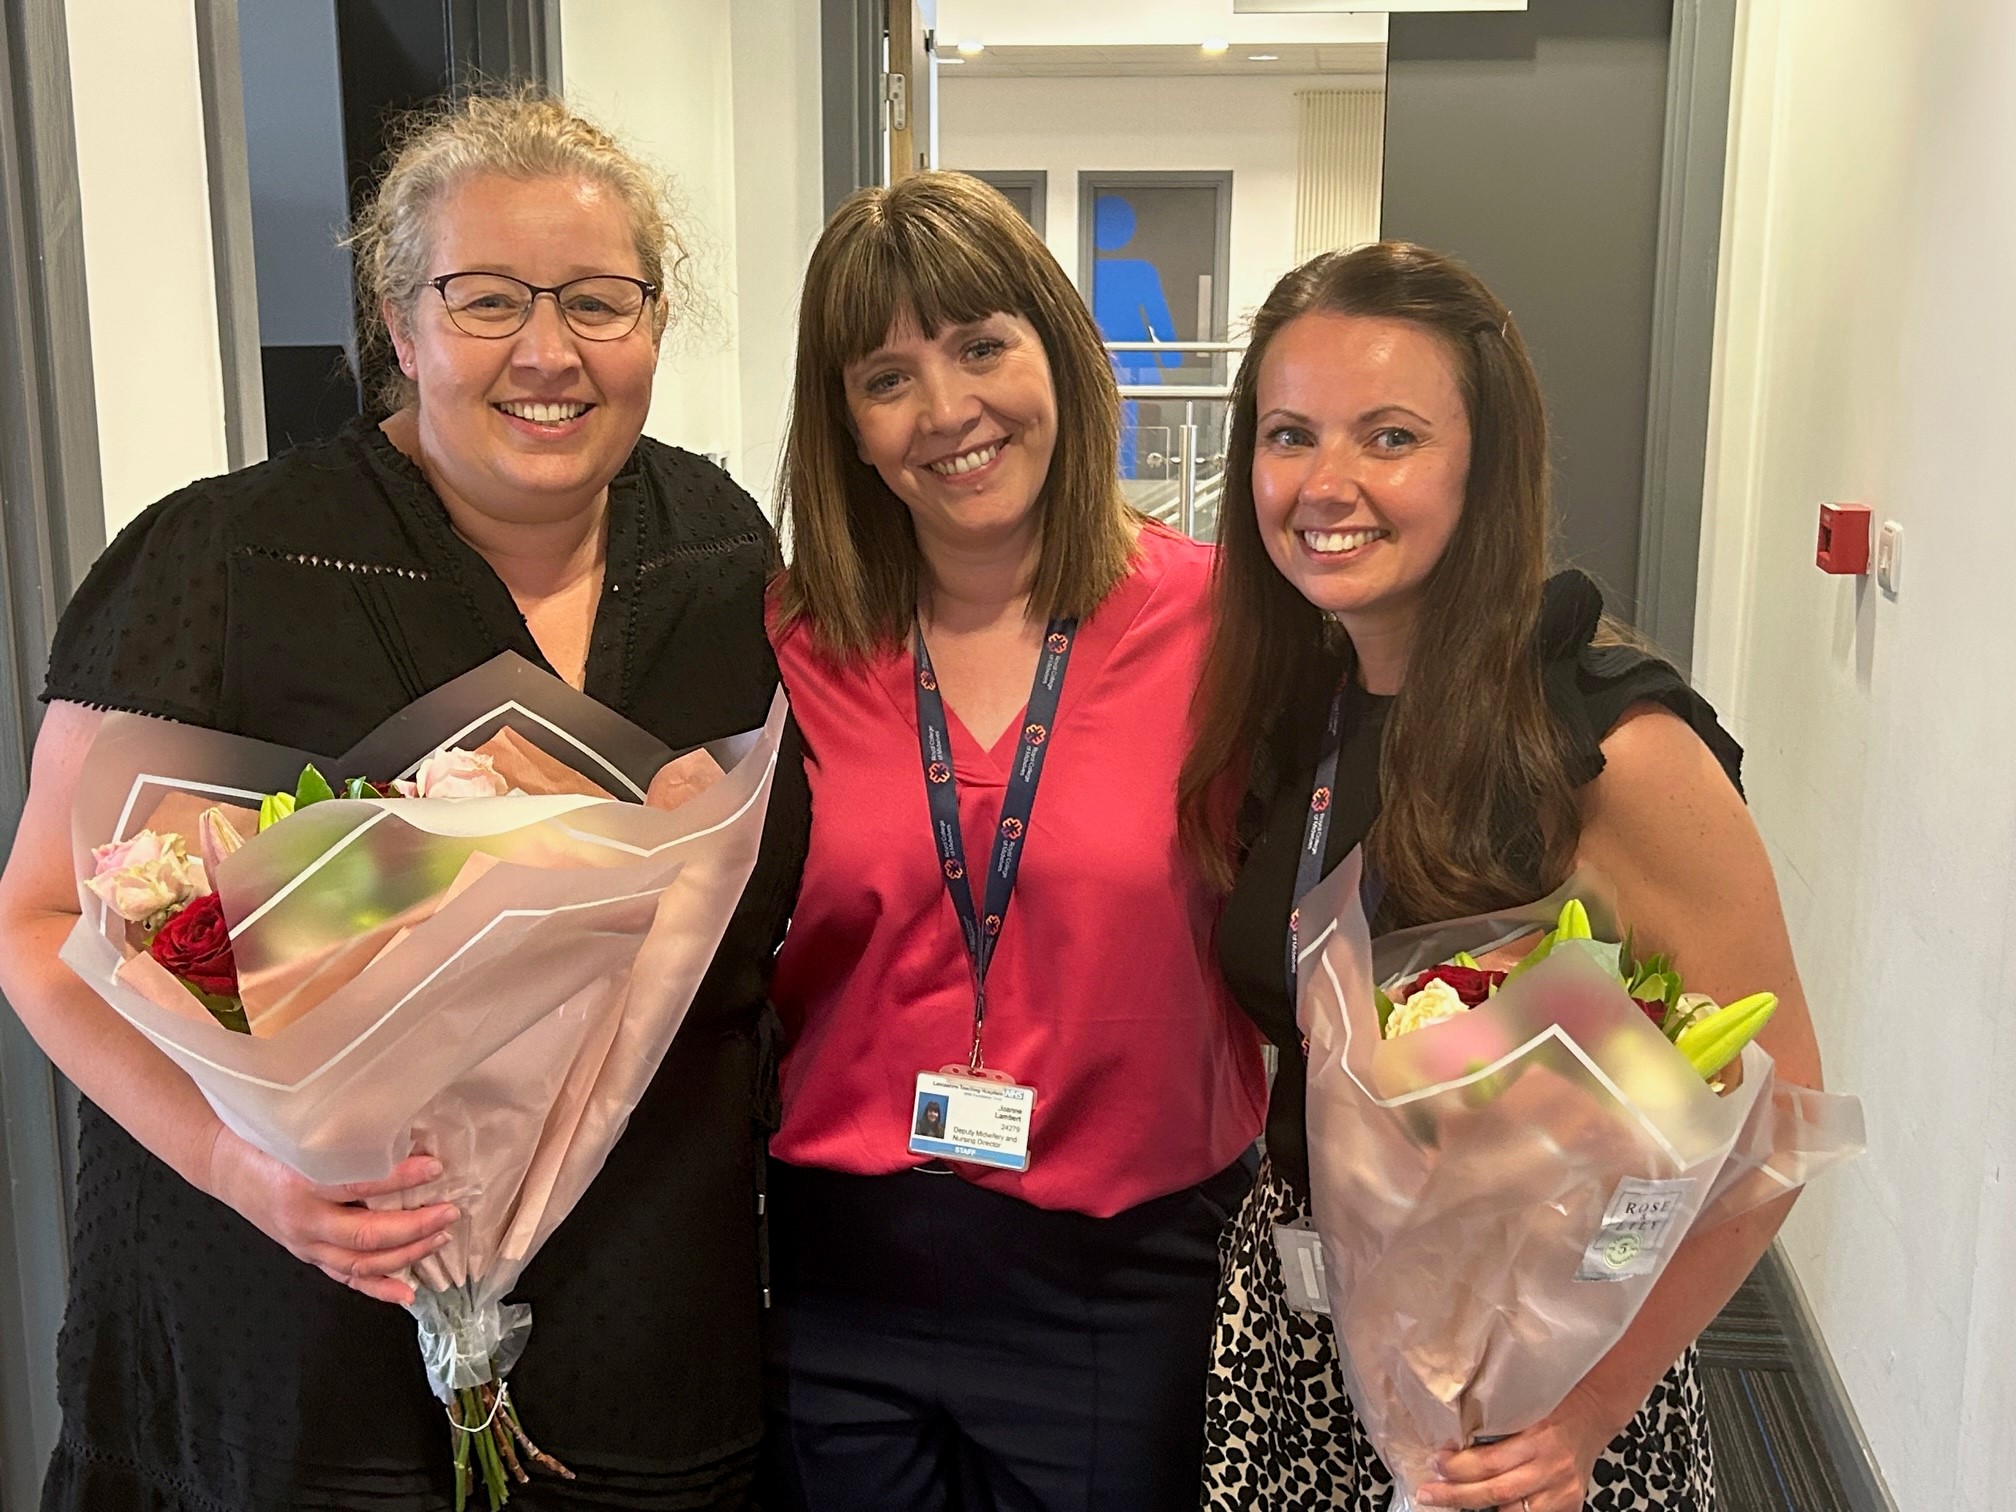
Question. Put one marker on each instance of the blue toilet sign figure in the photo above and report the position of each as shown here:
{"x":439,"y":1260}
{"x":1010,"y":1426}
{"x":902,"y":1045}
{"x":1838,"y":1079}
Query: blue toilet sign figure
{"x":1129,"y":305}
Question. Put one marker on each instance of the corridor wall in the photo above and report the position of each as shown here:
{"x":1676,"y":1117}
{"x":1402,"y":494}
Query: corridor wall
{"x":725,"y":99}
{"x":143,"y":188}
{"x":1863,"y":354}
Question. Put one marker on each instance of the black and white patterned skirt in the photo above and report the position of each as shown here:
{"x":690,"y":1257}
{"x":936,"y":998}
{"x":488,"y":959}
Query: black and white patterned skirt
{"x":1280,"y":1432}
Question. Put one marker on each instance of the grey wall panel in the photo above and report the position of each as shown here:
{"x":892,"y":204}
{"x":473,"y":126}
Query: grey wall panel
{"x":1532,"y":146}
{"x":52,"y":525}
{"x":300,"y":197}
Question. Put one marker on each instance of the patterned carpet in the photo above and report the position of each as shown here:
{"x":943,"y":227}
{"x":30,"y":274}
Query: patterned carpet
{"x":1769,"y":1453}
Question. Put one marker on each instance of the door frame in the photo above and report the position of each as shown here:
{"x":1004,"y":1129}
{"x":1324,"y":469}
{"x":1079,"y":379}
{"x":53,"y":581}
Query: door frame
{"x":1092,"y":180}
{"x":1035,"y":180}
{"x":850,"y":85}
{"x":52,"y":526}
{"x":1700,"y":65}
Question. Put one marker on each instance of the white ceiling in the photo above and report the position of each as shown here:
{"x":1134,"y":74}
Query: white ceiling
{"x":1332,"y":6}
{"x":1366,"y":59}
{"x":1139,"y":23}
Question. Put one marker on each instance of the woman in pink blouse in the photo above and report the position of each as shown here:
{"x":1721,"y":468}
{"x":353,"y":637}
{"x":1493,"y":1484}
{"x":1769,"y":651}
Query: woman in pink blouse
{"x":1018,"y":1103}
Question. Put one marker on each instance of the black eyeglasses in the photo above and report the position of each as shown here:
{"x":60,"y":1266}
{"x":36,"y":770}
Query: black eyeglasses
{"x":606,"y":307}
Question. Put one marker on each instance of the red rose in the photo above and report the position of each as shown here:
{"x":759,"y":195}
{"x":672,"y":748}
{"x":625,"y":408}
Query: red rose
{"x":1655,"y":1011}
{"x":195,"y":945}
{"x":1467,"y":982}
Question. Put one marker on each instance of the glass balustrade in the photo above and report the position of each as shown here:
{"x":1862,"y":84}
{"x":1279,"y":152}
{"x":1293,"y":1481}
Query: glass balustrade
{"x":1174,"y":408}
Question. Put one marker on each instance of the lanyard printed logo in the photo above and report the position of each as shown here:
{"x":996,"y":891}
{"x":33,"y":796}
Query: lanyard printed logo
{"x":1316,"y":841}
{"x":981,"y":930}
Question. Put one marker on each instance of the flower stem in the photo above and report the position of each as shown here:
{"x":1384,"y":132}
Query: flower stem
{"x":457,"y":1412}
{"x":501,"y":1432}
{"x":537,"y":1455}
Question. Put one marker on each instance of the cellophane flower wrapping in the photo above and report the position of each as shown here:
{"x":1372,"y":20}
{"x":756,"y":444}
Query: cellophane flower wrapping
{"x":493,"y":981}
{"x":1498,"y":1193}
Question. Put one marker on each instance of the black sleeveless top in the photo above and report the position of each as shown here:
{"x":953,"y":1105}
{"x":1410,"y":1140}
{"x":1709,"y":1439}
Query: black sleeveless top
{"x":201,"y":1367}
{"x":1588,"y":688}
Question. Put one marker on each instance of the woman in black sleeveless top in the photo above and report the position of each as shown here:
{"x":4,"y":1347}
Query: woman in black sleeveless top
{"x":1384,"y":541}
{"x":508,"y":503}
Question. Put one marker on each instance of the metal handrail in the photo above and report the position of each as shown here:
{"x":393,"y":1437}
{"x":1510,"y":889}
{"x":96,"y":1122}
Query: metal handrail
{"x":1175,"y":391}
{"x":1175,"y":346}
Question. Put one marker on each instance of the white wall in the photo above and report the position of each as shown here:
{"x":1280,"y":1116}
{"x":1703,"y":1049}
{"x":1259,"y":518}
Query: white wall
{"x":144,"y":191}
{"x":729,"y":106}
{"x":779,"y":211}
{"x":1864,"y":355}
{"x":1064,"y":125}
{"x":656,"y":72}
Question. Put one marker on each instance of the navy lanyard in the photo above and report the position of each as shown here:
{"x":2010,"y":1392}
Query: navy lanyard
{"x":1316,"y":840}
{"x":934,"y":741}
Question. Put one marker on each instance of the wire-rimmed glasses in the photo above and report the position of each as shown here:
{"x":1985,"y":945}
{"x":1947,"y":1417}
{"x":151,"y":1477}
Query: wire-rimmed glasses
{"x":603,"y":307}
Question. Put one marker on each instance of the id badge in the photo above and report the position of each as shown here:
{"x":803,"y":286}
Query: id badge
{"x":1303,"y":1274}
{"x":978,"y":1117}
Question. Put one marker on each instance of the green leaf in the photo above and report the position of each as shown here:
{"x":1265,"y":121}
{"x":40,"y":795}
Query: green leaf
{"x":1534,"y":957}
{"x":1384,"y":1004}
{"x":1464,"y":959}
{"x":273,"y":808}
{"x":359,"y":787}
{"x":312,"y":788}
{"x":228,"y":1011}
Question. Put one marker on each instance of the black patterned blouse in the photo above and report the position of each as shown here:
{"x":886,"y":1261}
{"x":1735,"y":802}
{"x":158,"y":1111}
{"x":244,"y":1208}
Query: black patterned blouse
{"x":204,"y":1369}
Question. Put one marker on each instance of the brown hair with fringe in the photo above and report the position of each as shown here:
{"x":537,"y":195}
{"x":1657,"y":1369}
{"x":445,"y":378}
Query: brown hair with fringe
{"x":942,"y":249}
{"x":1471,"y":753}
{"x":520,"y":133}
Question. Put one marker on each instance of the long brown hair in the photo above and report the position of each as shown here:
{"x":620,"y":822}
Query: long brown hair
{"x":946,"y":250}
{"x":1472,"y":757}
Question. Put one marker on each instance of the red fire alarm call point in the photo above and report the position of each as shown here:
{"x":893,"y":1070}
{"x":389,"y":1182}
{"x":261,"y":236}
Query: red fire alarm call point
{"x":1844,"y":539}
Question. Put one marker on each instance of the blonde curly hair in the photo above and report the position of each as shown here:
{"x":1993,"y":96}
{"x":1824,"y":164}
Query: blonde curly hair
{"x":523,"y":133}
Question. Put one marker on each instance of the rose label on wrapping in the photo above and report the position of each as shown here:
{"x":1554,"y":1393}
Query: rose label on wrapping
{"x":1304,"y":1277}
{"x":1636,"y":1227}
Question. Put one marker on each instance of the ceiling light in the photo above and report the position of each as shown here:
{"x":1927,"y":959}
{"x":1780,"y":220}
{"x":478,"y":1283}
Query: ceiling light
{"x":1215,"y":47}
{"x":1263,"y":57}
{"x":971,"y":49}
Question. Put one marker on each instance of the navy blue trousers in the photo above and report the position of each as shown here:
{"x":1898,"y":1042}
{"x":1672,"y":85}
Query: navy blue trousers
{"x":936,"y":1347}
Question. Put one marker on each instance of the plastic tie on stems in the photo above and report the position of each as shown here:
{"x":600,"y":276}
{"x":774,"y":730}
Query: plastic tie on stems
{"x":466,"y":1343}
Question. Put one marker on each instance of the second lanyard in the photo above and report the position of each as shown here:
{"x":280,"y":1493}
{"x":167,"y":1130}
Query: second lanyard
{"x":981,"y":925}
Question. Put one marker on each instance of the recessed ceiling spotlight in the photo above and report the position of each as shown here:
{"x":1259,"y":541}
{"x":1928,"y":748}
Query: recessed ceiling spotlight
{"x":1215,"y":47}
{"x":1263,"y":57}
{"x":971,"y":49}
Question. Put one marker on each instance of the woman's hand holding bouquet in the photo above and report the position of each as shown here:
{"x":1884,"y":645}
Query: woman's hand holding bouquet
{"x":1505,"y":1157}
{"x":436,"y":987}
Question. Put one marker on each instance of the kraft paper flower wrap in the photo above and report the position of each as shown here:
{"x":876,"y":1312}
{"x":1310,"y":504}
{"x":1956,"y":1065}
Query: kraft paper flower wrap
{"x":1498,"y":1192}
{"x":490,"y":980}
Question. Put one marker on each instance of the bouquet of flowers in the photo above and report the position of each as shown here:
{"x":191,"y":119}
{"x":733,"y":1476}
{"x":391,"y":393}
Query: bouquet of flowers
{"x":477,"y":943}
{"x":1503,"y":1163}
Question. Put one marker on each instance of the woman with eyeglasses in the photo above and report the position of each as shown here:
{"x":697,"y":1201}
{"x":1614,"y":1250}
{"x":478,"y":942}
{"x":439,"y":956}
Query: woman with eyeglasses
{"x":232,"y":1339}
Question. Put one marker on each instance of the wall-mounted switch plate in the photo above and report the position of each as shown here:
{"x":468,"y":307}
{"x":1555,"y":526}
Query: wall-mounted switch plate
{"x":1889,"y":556}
